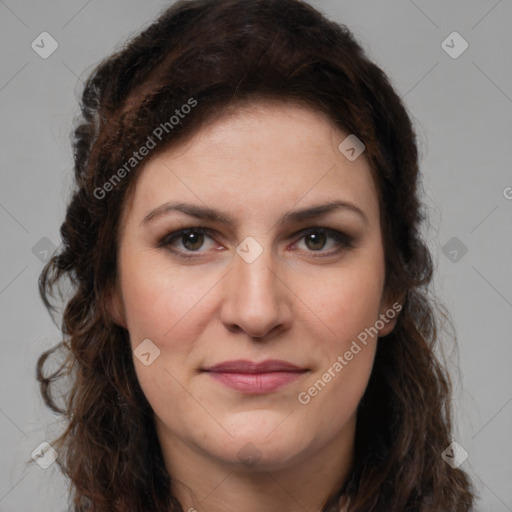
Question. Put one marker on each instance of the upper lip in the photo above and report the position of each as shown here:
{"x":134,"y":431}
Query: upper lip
{"x":245,"y":366}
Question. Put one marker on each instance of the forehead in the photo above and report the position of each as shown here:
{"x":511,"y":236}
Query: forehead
{"x":262,"y":158}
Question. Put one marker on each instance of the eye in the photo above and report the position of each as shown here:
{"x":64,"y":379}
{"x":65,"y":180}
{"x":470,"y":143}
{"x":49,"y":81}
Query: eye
{"x":316,"y":239}
{"x":191,"y":239}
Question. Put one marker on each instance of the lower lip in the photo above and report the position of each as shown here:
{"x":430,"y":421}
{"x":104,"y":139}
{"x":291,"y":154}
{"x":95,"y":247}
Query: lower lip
{"x":256,"y":383}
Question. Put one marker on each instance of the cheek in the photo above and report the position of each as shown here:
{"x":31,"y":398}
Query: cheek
{"x":348,"y":306}
{"x":334,"y":404}
{"x":163,"y":305}
{"x":345,"y":304}
{"x":159,"y":298}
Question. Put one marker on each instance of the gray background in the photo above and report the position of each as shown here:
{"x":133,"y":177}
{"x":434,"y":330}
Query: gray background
{"x":462,"y":110}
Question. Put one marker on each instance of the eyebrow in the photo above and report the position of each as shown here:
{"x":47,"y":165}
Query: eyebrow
{"x":206,"y":213}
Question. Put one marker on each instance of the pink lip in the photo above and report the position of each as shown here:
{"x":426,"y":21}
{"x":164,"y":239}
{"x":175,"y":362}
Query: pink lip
{"x":249,"y":377}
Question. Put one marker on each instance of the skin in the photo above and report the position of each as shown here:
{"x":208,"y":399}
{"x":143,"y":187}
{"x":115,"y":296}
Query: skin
{"x":303,"y":300}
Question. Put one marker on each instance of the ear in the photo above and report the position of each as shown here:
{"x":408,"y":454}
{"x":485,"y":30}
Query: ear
{"x":388,"y":315}
{"x":115,"y":307}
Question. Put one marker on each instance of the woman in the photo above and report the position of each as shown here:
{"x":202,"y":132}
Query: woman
{"x":250,"y":326}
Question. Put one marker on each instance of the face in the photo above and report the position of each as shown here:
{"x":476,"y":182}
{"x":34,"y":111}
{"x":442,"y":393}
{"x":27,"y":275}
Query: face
{"x":266,"y":272}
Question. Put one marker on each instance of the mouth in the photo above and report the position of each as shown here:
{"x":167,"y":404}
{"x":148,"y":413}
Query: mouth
{"x":255,"y":378}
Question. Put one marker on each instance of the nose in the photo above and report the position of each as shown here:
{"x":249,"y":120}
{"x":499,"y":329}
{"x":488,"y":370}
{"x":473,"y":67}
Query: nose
{"x":257,"y":300}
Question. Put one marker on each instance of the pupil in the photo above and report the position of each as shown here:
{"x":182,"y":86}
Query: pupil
{"x":318,"y":238}
{"x":192,"y":240}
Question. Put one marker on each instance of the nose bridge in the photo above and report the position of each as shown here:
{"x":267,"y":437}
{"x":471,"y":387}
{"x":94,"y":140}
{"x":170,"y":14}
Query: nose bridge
{"x":254,"y":270}
{"x":254,"y":274}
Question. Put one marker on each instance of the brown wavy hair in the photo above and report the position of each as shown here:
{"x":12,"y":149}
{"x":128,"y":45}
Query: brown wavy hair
{"x":221,"y":53}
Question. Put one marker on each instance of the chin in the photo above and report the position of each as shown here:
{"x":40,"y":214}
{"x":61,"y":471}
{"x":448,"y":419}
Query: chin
{"x":267,"y":448}
{"x":255,"y":456}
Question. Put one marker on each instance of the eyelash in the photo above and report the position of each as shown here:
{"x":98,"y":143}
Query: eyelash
{"x":343,"y":240}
